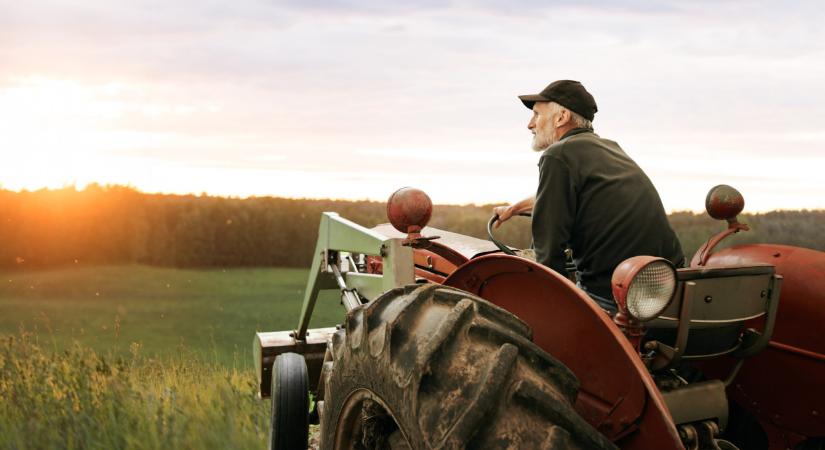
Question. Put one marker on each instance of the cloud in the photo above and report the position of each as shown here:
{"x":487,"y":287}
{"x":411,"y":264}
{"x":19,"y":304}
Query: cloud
{"x":314,"y":82}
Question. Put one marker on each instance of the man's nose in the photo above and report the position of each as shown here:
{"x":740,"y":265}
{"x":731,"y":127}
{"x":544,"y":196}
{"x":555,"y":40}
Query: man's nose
{"x":531,"y":124}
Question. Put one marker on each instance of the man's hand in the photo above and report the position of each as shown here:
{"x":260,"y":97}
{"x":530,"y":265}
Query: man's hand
{"x":506,"y":212}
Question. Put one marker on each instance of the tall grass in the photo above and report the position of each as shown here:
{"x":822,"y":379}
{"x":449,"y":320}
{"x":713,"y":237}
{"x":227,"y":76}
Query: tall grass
{"x":77,"y":398}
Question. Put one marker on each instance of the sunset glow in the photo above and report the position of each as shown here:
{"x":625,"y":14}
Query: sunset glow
{"x":355,"y":101}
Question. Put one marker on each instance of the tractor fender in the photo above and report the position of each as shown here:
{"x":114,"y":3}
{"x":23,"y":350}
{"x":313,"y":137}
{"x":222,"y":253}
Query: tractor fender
{"x":617,"y":394}
{"x":782,"y":385}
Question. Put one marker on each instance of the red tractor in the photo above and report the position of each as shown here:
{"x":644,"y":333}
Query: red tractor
{"x":455,"y":342}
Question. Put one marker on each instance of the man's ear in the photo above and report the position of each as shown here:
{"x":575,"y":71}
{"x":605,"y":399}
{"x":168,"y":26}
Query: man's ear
{"x":563,"y":118}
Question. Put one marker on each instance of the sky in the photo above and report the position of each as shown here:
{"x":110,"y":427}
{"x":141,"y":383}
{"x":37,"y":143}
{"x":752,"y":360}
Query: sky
{"x":354,"y":99}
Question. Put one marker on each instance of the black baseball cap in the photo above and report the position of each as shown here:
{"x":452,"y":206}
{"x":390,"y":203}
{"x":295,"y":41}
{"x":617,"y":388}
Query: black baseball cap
{"x":568,"y":93}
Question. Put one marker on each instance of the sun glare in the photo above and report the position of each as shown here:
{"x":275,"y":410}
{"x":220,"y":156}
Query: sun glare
{"x":55,"y":133}
{"x":49,"y":130}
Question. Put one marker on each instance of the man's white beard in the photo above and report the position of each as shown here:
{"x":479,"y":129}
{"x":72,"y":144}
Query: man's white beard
{"x":543,"y":141}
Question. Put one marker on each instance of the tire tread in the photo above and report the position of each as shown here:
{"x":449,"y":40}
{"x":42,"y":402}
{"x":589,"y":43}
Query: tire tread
{"x":455,"y":371}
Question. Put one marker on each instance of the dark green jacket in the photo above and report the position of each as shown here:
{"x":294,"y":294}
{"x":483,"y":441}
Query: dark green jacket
{"x":593,"y":198}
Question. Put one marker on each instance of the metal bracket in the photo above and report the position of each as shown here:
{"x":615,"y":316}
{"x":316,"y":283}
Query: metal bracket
{"x":666,"y":356}
{"x":336,"y":234}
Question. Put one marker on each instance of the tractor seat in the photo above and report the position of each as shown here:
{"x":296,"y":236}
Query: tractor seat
{"x":720,"y":300}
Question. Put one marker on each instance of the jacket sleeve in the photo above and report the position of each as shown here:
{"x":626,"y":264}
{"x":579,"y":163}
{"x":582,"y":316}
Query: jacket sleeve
{"x":553,"y":213}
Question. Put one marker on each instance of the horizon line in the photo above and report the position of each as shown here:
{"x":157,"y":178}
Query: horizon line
{"x":108,"y":186}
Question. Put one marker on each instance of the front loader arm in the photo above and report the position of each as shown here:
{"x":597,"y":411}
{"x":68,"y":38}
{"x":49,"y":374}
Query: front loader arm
{"x":336,"y":235}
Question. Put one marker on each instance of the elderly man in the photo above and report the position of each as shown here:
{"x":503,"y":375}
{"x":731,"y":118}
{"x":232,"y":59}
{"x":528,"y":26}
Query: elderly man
{"x":591,"y":197}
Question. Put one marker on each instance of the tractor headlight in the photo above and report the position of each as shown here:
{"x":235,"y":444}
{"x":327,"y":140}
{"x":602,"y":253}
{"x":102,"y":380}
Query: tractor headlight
{"x":643,"y":286}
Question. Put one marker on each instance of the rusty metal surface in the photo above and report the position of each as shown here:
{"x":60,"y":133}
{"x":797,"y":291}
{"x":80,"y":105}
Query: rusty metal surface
{"x":434,"y":263}
{"x":698,"y":401}
{"x":617,"y":395}
{"x":409,"y":209}
{"x":431,"y":259}
{"x":701,"y":256}
{"x":466,"y":246}
{"x":723,"y":202}
{"x":268,"y":345}
{"x":783,"y":385}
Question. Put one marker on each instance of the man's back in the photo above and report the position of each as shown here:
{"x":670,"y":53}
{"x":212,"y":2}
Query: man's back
{"x":594,"y":198}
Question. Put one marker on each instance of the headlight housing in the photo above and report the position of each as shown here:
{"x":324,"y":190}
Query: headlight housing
{"x":644,"y":286}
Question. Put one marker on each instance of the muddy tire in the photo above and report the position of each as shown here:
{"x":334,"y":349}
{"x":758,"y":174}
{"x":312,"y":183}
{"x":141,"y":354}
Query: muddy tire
{"x":428,"y":367}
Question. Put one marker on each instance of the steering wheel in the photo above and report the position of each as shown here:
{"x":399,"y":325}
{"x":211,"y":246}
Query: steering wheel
{"x":507,"y":250}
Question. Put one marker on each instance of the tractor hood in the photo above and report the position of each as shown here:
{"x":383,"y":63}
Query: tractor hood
{"x":467,"y":246}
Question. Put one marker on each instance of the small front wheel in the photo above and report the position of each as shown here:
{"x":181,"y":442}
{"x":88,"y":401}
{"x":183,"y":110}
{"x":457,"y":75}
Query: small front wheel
{"x":289,"y":424}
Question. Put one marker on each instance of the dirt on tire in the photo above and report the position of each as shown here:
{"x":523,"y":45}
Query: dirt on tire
{"x":427,"y":366}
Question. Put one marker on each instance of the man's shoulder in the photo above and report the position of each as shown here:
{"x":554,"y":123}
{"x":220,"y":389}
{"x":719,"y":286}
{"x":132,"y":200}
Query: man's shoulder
{"x":587,"y":139}
{"x":555,"y":152}
{"x":570,"y":147}
{"x":583,"y":145}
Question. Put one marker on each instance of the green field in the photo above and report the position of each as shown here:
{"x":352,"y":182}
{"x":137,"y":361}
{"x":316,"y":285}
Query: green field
{"x":214,"y":313}
{"x":138,"y":357}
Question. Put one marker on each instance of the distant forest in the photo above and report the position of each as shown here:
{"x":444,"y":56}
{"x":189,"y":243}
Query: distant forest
{"x":115,"y":224}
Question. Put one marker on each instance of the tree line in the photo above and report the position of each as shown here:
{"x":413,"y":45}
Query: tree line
{"x":117,"y":224}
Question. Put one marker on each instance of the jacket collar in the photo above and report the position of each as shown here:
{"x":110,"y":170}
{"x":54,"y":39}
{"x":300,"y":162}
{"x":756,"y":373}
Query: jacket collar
{"x":576,"y":131}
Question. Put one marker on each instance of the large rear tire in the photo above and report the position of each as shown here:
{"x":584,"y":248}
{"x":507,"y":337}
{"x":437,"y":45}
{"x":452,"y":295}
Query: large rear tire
{"x":429,"y":366}
{"x":289,"y":422}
